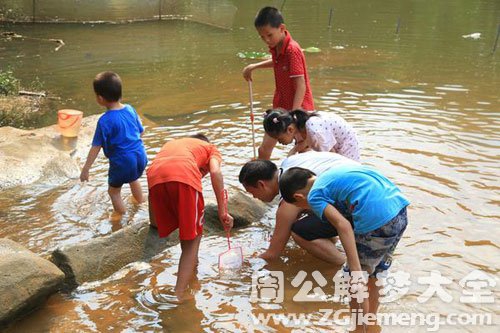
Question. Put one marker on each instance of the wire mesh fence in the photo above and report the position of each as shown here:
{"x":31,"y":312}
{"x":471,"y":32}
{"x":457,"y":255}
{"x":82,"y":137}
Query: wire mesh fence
{"x":218,"y":13}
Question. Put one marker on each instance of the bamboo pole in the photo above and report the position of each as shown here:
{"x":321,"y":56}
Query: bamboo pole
{"x":330,"y":18}
{"x":282,"y":5}
{"x":398,"y":25}
{"x":496,"y":39}
{"x":34,"y":12}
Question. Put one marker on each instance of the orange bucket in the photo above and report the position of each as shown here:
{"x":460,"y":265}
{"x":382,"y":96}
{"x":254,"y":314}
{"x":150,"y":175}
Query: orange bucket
{"x":69,"y":122}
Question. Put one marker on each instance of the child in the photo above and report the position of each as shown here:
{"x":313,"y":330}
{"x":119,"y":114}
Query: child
{"x":260,"y":178}
{"x":320,"y":132}
{"x":119,"y":133}
{"x":292,"y":83}
{"x":176,"y":197}
{"x":378,"y":211}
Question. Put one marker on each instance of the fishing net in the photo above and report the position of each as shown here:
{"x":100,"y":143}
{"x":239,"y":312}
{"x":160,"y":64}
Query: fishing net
{"x":232,"y":259}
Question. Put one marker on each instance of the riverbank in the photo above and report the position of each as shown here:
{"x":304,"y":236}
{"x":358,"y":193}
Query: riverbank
{"x":24,"y":111}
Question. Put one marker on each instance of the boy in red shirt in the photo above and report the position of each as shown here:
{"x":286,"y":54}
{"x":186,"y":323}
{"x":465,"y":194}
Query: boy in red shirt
{"x":176,"y":197}
{"x":290,"y":74}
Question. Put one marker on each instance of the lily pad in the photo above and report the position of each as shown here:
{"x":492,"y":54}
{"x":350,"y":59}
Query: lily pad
{"x":253,"y":55}
{"x":312,"y":49}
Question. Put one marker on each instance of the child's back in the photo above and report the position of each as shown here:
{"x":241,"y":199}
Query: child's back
{"x":371,"y":198}
{"x":330,"y":132}
{"x":118,"y":133}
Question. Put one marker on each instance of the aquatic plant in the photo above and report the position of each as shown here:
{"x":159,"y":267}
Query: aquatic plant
{"x":312,"y":49}
{"x":253,"y":55}
{"x":9,"y":84}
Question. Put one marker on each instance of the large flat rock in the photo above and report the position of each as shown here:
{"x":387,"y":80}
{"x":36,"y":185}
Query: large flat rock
{"x":100,"y":257}
{"x":26,"y":280}
{"x":27,"y":156}
{"x":244,"y":209}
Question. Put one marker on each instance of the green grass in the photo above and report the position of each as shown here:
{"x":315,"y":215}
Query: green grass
{"x":9,"y":84}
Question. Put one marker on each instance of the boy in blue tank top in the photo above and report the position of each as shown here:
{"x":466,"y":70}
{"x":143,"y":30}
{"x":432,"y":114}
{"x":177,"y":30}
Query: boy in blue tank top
{"x":376,"y":207}
{"x":118,"y":133}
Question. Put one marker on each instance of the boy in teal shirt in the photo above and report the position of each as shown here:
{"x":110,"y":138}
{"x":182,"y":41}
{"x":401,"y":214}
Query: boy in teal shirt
{"x":377,"y":208}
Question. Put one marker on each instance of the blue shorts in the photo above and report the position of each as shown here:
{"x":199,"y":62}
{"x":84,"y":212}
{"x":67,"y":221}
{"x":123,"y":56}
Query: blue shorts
{"x":375,"y":248}
{"x":126,"y":169}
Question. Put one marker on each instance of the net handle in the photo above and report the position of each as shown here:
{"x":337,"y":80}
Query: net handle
{"x":225,"y":200}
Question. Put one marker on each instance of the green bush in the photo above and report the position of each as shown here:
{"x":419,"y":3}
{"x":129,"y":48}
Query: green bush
{"x":9,"y":85}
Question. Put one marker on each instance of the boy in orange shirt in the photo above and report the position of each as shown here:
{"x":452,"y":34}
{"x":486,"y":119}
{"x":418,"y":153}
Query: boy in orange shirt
{"x":176,"y":197}
{"x":293,"y":90}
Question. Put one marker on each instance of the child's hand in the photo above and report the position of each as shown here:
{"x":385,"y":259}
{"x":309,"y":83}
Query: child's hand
{"x":227,"y":221}
{"x":247,"y":72}
{"x":84,"y":176}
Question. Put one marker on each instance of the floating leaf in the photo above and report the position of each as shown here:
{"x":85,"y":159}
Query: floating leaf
{"x":312,"y":49}
{"x":253,"y":55}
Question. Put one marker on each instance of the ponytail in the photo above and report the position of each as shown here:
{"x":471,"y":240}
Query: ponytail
{"x":300,"y":117}
{"x":276,"y":122}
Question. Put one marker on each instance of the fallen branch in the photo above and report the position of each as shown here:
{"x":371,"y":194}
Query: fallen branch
{"x":9,"y":35}
{"x":59,"y":41}
{"x":32,"y":93}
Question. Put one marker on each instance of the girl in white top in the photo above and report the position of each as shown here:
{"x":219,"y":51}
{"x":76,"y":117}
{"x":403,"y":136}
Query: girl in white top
{"x":318,"y":131}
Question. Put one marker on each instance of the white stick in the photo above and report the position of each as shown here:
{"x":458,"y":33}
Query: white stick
{"x":252,"y":117}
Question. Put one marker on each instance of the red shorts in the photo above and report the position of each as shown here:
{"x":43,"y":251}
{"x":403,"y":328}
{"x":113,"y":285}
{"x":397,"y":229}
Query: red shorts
{"x":177,"y":205}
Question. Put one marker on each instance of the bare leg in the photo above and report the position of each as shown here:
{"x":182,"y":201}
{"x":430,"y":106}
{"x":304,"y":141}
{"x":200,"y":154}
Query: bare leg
{"x":152,"y":220}
{"x":116,"y":199}
{"x":357,"y":313}
{"x":187,"y":265}
{"x":135,"y":188}
{"x":322,"y":248}
{"x":266,"y":147}
{"x":369,"y":305}
{"x":374,"y":293}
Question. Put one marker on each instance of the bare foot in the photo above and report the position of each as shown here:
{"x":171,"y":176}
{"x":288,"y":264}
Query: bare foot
{"x":115,"y":217}
{"x":183,"y":296}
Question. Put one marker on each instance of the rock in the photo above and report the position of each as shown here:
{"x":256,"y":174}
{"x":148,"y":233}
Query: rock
{"x":100,"y":257}
{"x":244,"y":209}
{"x":26,"y":280}
{"x":30,"y":156}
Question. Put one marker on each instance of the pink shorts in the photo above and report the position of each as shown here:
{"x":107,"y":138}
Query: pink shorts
{"x":177,"y":205}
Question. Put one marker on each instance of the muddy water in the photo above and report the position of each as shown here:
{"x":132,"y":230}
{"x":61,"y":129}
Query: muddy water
{"x":425,"y":104}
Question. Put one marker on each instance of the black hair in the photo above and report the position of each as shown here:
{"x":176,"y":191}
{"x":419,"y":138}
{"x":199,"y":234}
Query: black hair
{"x":277,"y":121}
{"x":268,"y":16}
{"x":199,"y":136}
{"x":108,"y":85}
{"x":256,"y":170}
{"x":293,"y":180}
